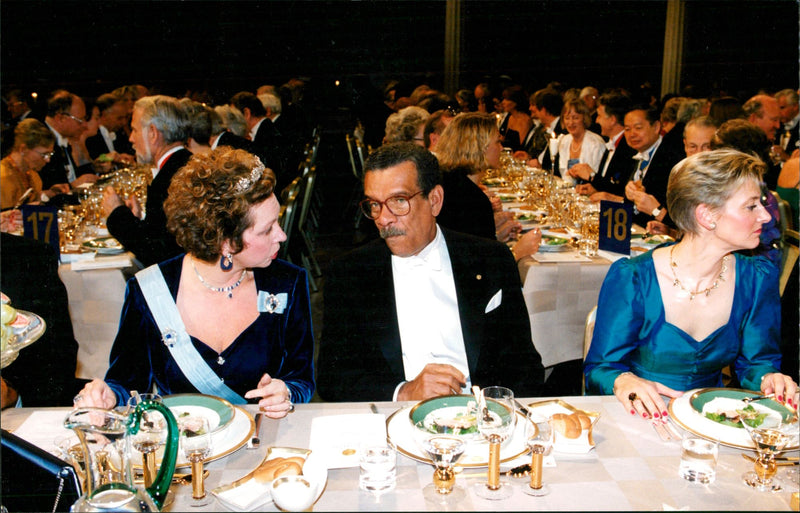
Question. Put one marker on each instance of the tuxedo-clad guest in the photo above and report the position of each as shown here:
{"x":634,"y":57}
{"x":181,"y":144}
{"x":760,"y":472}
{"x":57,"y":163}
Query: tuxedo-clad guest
{"x":762,"y":110}
{"x":589,"y":95}
{"x":245,"y":318}
{"x":608,"y":181}
{"x":787,"y":137}
{"x":267,"y":142}
{"x":536,"y":140}
{"x":222,"y":136}
{"x":697,"y":135}
{"x":66,"y":118}
{"x":159,"y":128}
{"x":199,"y":128}
{"x":18,"y":109}
{"x":291,"y":134}
{"x":434,"y":127}
{"x":44,"y":373}
{"x":110,"y":138}
{"x":426,"y":311}
{"x":548,"y":103}
{"x":650,"y":167}
{"x":232,"y":120}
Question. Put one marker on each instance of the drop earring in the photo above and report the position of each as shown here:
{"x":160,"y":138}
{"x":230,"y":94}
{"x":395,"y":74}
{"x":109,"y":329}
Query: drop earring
{"x":226,"y":262}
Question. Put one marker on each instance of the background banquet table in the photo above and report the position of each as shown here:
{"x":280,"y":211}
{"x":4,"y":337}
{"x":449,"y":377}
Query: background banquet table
{"x":95,"y":302}
{"x":558,"y":297}
{"x":631,"y":469}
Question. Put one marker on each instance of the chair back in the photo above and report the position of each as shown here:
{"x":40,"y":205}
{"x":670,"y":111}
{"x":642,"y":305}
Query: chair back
{"x":785,"y":211}
{"x":791,"y":252}
{"x":588,"y":333}
{"x":288,"y":213}
{"x":356,"y":157}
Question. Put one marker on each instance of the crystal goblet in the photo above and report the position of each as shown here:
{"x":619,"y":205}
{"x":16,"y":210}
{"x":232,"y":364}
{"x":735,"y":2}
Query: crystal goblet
{"x":496,"y":422}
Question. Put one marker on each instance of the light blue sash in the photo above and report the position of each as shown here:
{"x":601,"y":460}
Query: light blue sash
{"x":174,"y":335}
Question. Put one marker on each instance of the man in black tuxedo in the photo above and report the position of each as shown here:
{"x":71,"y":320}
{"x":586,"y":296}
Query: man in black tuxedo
{"x":426,"y":311}
{"x":267,"y":142}
{"x":159,"y":128}
{"x":787,"y":137}
{"x":762,"y":110}
{"x":608,"y":182}
{"x":650,"y":167}
{"x":110,"y":138}
{"x":220,"y":136}
{"x":546,"y":107}
{"x":291,"y":137}
{"x":44,"y":373}
{"x":66,"y":118}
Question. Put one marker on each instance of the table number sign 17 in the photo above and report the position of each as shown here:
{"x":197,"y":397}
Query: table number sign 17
{"x":615,"y":227}
{"x":41,"y":223}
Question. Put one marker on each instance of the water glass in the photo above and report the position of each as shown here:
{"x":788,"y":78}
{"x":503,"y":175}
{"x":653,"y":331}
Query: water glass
{"x":378,"y":464}
{"x":698,"y":459}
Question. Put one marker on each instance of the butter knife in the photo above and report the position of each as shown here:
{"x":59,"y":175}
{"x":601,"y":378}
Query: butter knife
{"x":255,"y":442}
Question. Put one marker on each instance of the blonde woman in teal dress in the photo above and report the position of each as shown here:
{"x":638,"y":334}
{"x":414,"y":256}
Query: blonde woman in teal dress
{"x":670,"y":320}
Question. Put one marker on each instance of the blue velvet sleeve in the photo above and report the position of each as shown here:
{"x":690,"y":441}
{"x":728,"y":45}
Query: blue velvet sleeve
{"x":298,"y":368}
{"x":760,"y":326}
{"x":620,"y":315}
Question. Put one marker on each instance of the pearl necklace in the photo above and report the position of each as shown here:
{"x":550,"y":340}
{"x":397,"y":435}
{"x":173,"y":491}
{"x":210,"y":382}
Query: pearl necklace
{"x":228,"y":289}
{"x":706,"y":291}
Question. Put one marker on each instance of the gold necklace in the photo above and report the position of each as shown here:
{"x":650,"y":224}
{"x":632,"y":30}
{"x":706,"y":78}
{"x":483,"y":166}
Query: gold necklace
{"x":677,"y":283}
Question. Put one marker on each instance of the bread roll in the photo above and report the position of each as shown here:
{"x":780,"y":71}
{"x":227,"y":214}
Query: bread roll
{"x":567,"y":425}
{"x":585,"y":420}
{"x":277,"y":467}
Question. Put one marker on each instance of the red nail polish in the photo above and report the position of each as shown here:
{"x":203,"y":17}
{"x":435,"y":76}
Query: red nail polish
{"x":664,"y":414}
{"x":633,"y":412}
{"x":656,"y":415}
{"x":780,"y":398}
{"x":644,"y":415}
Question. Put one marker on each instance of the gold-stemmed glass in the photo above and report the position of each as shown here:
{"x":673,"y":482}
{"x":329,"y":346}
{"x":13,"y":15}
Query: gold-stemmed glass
{"x":770,"y":437}
{"x":444,"y":452}
{"x":151,"y":435}
{"x":540,"y":440}
{"x":496,"y":421}
{"x":195,"y":443}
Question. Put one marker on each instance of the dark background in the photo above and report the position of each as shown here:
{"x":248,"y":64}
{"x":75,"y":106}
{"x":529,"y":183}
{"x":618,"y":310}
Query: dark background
{"x":91,"y":47}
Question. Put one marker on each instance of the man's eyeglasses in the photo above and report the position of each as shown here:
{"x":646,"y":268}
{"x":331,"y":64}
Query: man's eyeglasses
{"x":399,"y":205}
{"x":45,"y":155}
{"x":76,"y":118}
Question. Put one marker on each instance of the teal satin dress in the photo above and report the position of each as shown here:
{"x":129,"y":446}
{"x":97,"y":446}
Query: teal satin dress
{"x":631,"y":333}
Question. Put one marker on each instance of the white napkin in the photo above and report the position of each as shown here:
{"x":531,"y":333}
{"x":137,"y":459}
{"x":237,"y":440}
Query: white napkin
{"x":336,"y":438}
{"x":247,"y":496}
{"x":560,"y":256}
{"x":42,"y":428}
{"x":67,"y":258}
{"x":610,"y":255}
{"x":103,"y":262}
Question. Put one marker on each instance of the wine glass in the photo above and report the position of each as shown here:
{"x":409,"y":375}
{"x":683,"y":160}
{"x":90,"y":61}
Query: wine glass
{"x":540,"y":440}
{"x":195,"y":443}
{"x":151,"y":435}
{"x":444,"y":452}
{"x":496,"y":421}
{"x":770,"y":437}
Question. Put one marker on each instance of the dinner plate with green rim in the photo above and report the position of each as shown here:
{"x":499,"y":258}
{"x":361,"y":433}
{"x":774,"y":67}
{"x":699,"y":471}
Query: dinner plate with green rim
{"x":551,"y":243}
{"x":104,"y":246}
{"x":687,"y":411}
{"x":454,"y":415}
{"x":219,"y":412}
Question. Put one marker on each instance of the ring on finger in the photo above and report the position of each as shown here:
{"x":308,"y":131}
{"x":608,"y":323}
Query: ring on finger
{"x":291,"y":407}
{"x":632,"y":396}
{"x":78,"y":398}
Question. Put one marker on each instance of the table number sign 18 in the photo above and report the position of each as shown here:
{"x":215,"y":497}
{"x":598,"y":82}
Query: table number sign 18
{"x":41,"y":223}
{"x":615,"y":227}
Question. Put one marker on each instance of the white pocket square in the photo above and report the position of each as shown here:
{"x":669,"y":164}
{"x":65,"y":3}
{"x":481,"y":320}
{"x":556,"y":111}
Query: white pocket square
{"x":494,"y":302}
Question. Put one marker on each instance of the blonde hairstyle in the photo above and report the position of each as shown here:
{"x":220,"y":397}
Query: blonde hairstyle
{"x":465,"y":140}
{"x":580,"y":107}
{"x":709,"y":178}
{"x":210,"y":199}
{"x":30,"y":133}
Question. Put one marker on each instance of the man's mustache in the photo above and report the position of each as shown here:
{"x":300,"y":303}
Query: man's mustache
{"x":391,"y":231}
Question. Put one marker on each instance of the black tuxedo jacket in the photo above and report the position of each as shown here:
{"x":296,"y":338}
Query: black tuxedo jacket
{"x":547,"y":160}
{"x":360,"y":355}
{"x":97,"y":145}
{"x":148,"y":238}
{"x":44,"y":373}
{"x":657,"y":176}
{"x":618,"y":172}
{"x":56,"y":171}
{"x":235,"y":141}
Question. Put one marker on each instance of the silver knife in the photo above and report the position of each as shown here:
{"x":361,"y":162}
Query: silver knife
{"x":255,"y":442}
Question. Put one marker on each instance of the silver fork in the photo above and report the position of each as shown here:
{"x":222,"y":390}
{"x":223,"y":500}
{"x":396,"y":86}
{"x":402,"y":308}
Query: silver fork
{"x":255,"y":442}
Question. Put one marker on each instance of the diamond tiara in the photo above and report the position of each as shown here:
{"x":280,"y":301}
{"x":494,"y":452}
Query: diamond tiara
{"x":244,"y":183}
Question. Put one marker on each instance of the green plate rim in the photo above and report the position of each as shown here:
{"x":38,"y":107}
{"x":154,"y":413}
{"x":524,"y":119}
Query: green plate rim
{"x":736,"y":393}
{"x":219,"y":406}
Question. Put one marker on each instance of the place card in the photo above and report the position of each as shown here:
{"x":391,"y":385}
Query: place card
{"x":616,"y":220}
{"x":336,"y":438}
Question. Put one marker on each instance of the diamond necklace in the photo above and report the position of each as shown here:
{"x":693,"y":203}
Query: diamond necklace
{"x":228,"y":289}
{"x":706,"y":291}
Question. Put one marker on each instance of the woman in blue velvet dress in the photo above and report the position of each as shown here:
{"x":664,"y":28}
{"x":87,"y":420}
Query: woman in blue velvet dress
{"x":246,"y":315}
{"x":670,"y":320}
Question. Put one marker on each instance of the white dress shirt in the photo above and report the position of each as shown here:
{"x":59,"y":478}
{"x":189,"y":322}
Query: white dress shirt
{"x":427,"y":311}
{"x":645,"y":158}
{"x":108,"y":137}
{"x":611,"y":146}
{"x":64,"y":144}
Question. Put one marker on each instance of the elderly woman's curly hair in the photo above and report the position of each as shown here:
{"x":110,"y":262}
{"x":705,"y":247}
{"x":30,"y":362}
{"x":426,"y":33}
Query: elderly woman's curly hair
{"x":210,"y":199}
{"x":402,"y":126}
